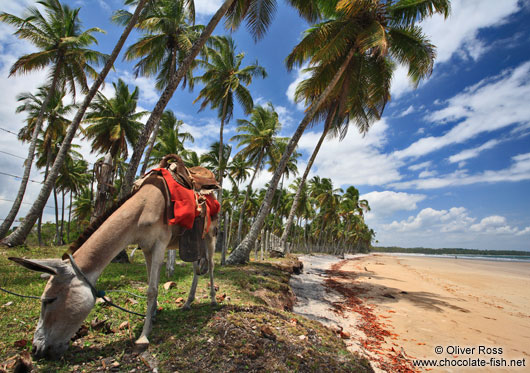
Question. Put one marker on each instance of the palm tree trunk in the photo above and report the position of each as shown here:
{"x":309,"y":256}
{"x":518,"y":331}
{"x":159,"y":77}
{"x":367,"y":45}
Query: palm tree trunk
{"x":10,"y":218}
{"x":241,"y":253}
{"x":296,"y":201}
{"x":249,"y":188}
{"x":62,"y":219}
{"x":156,"y":114}
{"x":56,"y":216}
{"x":152,"y":141}
{"x":20,"y":234}
{"x":69,"y":219}
{"x":228,"y":221}
{"x":219,"y":243}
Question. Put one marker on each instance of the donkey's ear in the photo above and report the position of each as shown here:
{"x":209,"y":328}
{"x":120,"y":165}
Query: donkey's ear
{"x":51,"y":266}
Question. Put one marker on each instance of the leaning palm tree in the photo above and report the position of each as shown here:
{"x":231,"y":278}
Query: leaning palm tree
{"x":257,"y":138}
{"x":382,"y":28}
{"x":257,"y":13}
{"x":63,"y":47}
{"x":19,"y":235}
{"x":359,"y":99}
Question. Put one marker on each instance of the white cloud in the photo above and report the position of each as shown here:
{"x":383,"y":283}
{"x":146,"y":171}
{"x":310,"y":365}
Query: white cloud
{"x":426,"y":173}
{"x":300,"y":75}
{"x":493,"y":224}
{"x":518,"y":171}
{"x":356,"y":160}
{"x":148,"y":92}
{"x":453,"y":227}
{"x":458,"y":35}
{"x":407,"y":111}
{"x":207,"y":7}
{"x":420,"y":166}
{"x":387,"y":202}
{"x":493,"y":103}
{"x":472,"y":153}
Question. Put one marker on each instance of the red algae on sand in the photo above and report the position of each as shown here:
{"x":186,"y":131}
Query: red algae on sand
{"x":390,"y":359}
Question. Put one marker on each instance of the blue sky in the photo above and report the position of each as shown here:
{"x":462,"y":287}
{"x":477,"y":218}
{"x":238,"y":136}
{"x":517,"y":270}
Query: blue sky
{"x":448,"y":165}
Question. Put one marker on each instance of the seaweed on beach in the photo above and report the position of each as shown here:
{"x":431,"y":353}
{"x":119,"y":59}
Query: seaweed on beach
{"x":391,"y":360}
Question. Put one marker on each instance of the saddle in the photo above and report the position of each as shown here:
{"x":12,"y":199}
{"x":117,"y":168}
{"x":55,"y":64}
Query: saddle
{"x":198,"y":201}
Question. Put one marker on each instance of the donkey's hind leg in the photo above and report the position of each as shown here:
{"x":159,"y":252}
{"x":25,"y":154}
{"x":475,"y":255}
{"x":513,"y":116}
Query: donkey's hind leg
{"x":156,"y":258}
{"x":210,"y":253}
{"x":191,"y":295}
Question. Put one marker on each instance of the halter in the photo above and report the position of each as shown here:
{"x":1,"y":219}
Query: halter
{"x":97,"y":293}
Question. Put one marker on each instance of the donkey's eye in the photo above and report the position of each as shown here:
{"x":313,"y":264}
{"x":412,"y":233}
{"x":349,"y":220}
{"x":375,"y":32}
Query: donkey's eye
{"x":47,"y":301}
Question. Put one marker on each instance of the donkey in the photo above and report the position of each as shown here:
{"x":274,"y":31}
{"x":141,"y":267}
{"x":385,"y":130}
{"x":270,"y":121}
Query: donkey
{"x":68,"y":299}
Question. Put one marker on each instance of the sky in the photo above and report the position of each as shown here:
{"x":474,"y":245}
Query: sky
{"x":448,"y":164}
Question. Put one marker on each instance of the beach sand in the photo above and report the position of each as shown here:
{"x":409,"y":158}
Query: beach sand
{"x":426,"y":302}
{"x":431,"y":302}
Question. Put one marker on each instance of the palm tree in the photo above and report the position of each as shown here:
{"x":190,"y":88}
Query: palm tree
{"x":383,"y":28}
{"x":114,"y":124}
{"x":358,"y":99}
{"x":170,"y":139}
{"x":168,"y":37}
{"x":257,"y":138}
{"x":258,"y":14}
{"x":63,"y":47}
{"x":73,"y":178}
{"x":211,"y":158}
{"x":55,"y":115}
{"x":19,"y":235}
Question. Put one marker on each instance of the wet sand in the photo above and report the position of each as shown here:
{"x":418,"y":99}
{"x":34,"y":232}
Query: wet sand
{"x":457,"y":304}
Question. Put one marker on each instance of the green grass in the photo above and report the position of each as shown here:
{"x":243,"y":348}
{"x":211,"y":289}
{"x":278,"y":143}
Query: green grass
{"x":206,"y":338}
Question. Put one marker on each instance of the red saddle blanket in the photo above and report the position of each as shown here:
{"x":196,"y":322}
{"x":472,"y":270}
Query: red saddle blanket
{"x":186,"y":208}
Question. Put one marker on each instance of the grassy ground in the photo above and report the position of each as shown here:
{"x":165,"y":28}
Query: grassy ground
{"x":250,"y":330}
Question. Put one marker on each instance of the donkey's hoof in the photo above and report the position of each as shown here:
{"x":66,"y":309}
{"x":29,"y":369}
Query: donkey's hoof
{"x":141,"y":344}
{"x":186,"y":306}
{"x":214,"y":303}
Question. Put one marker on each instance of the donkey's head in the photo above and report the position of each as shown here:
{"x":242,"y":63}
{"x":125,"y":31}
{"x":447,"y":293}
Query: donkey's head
{"x":66,"y":302}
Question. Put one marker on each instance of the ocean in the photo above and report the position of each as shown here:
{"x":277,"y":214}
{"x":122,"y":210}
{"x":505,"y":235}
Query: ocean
{"x":496,"y":258}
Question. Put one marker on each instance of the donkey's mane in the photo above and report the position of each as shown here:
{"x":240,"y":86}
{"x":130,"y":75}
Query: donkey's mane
{"x":101,"y":219}
{"x":83,"y":237}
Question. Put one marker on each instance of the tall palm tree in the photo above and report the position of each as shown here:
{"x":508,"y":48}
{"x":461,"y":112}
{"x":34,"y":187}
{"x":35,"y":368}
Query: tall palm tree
{"x":257,"y":13}
{"x":19,"y":235}
{"x":114,"y":125}
{"x":168,"y":36}
{"x":257,"y":138}
{"x":381,"y":28}
{"x":64,"y":48}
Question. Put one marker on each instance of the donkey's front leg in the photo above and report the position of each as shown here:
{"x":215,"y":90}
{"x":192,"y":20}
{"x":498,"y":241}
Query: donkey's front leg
{"x":191,"y":295}
{"x":157,"y":257}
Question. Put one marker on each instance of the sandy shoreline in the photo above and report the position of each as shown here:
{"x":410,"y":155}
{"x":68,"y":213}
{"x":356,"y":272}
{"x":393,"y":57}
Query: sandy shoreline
{"x":428,"y":302}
